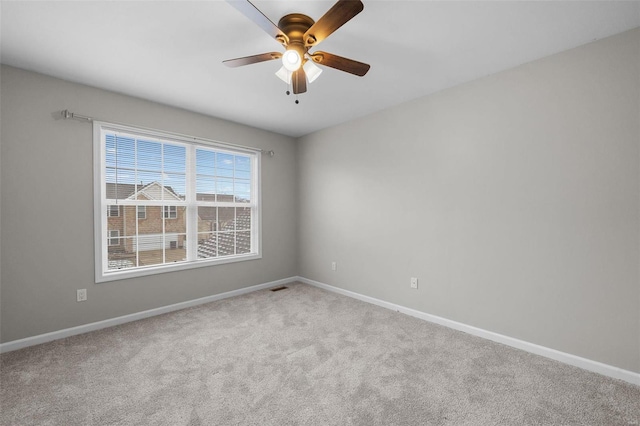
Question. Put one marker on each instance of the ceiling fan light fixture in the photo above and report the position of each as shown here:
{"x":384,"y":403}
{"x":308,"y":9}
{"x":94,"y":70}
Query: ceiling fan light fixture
{"x":298,"y":33}
{"x":312,"y":71}
{"x":291,"y":60}
{"x":284,"y":75}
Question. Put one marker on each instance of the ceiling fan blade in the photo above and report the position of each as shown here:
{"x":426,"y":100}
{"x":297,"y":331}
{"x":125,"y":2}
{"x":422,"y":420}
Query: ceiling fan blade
{"x":250,"y":11}
{"x":337,"y":16}
{"x":340,"y":63}
{"x":248,"y":60}
{"x":299,"y":80}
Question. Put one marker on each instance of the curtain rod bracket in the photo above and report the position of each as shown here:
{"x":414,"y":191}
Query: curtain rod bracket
{"x":66,"y":114}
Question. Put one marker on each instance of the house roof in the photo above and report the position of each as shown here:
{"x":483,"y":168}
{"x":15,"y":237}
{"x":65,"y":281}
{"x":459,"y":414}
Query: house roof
{"x":226,"y":242}
{"x":155,"y":191}
{"x":151,"y":191}
{"x":119,"y":191}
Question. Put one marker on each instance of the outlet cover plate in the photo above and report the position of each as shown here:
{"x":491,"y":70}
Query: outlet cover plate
{"x":81,"y":294}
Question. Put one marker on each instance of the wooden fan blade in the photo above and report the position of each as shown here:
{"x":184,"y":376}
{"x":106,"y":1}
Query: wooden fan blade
{"x":250,"y":11}
{"x":337,"y":16}
{"x":299,"y":80}
{"x":340,"y":63}
{"x":248,"y":60}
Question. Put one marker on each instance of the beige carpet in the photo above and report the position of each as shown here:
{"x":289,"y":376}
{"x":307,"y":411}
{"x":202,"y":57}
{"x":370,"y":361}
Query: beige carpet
{"x":301,"y":356}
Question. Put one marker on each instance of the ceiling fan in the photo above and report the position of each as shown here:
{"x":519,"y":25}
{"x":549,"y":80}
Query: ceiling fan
{"x":298,"y":33}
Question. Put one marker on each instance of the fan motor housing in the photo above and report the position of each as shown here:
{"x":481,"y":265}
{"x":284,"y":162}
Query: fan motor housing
{"x":294,"y":26}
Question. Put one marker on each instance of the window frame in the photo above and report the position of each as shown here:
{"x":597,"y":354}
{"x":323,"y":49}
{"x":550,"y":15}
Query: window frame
{"x":170,"y":212}
{"x":117,"y":210}
{"x":102,"y":273}
{"x":110,"y":238}
{"x":144,"y":212}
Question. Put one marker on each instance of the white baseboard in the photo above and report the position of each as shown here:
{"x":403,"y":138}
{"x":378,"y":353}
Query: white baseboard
{"x":576,"y":361}
{"x":67,"y":332}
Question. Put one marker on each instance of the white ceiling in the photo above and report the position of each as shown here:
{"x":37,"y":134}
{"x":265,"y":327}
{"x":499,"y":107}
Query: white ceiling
{"x":172,"y":51}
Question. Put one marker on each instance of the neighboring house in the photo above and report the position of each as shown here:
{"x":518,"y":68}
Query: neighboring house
{"x":218,"y":228}
{"x":125,"y":222}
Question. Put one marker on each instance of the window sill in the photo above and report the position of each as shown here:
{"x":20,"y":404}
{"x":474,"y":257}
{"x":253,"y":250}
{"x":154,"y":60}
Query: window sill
{"x":123,"y":274}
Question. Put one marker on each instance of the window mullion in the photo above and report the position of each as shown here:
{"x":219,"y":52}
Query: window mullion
{"x":135,"y":183}
{"x":192,"y":208}
{"x":163,"y":244}
{"x":137,"y":231}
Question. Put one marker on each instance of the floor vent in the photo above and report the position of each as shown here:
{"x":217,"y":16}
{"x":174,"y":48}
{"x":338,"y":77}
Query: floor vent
{"x":279,"y":288}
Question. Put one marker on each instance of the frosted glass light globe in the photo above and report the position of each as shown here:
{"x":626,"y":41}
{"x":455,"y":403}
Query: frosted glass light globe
{"x":291,"y":60}
{"x":312,"y":71}
{"x":284,"y":75}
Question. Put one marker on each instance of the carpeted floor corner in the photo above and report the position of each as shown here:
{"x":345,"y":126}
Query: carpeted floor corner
{"x":300,"y":356}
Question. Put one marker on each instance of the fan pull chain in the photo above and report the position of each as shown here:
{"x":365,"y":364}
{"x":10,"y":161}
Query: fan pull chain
{"x":288,"y":92}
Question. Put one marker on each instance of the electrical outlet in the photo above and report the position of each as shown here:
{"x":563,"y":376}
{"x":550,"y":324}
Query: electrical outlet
{"x":81,"y":294}
{"x":414,"y":282}
{"x":334,"y":266}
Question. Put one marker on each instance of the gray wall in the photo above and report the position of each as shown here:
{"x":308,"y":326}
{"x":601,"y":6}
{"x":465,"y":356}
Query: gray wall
{"x":47,"y":208}
{"x":514,"y":199}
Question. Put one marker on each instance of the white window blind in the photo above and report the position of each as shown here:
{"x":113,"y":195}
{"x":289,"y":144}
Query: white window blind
{"x":168,"y":203}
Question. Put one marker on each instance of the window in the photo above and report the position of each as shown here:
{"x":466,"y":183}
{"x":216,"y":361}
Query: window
{"x":113,"y":211}
{"x":180,"y":204}
{"x":170,"y":212}
{"x":114,"y":237}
